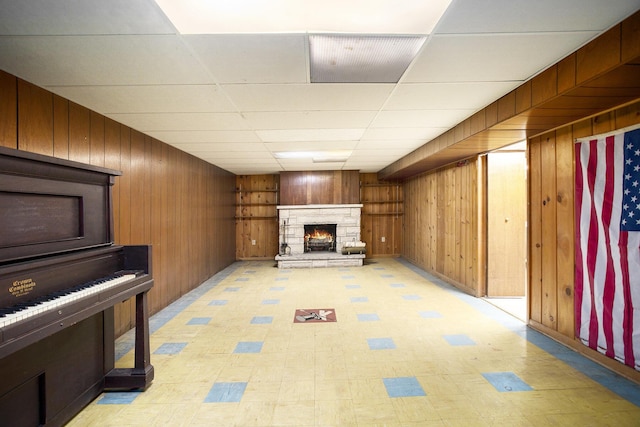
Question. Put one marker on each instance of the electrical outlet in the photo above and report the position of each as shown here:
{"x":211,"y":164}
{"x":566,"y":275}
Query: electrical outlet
{"x":253,"y":243}
{"x":382,"y":239}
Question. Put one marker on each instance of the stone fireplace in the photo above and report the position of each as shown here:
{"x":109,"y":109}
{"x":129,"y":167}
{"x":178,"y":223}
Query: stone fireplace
{"x":298,"y":222}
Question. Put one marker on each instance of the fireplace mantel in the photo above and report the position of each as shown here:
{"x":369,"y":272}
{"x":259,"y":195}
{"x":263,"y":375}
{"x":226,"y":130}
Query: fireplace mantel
{"x":358,"y":205}
{"x":293,"y":218}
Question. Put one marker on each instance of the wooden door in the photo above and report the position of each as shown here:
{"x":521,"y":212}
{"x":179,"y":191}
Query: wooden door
{"x":506,"y":224}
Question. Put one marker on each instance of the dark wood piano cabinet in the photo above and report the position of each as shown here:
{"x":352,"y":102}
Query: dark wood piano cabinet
{"x":60,"y":277}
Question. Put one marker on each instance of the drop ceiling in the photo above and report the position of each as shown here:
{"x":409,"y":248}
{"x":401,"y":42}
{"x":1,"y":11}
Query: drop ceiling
{"x":230,"y":82}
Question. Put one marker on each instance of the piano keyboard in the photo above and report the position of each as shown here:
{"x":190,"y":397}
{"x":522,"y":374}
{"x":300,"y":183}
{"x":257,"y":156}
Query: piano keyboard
{"x":24,"y":311}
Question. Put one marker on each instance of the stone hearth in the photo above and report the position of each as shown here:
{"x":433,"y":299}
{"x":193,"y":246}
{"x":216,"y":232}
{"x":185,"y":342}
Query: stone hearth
{"x":293,"y":218}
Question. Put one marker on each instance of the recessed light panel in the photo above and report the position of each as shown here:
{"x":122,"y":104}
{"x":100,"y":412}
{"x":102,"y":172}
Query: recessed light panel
{"x":337,"y":58}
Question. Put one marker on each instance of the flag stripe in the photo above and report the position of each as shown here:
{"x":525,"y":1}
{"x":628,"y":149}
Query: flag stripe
{"x":607,"y":268}
{"x":578,"y":292}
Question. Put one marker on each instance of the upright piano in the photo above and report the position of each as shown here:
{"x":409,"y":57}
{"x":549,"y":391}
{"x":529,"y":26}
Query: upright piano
{"x":60,"y":277}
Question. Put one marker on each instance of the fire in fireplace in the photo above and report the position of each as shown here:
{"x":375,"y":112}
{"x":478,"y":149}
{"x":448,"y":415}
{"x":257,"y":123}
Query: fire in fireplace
{"x":320,"y":237}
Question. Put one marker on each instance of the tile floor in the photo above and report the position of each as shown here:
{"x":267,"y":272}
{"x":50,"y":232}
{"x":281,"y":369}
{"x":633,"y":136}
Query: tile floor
{"x":406,"y":350}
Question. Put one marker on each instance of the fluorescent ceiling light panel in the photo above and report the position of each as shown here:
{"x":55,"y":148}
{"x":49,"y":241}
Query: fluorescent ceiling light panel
{"x":335,"y":156}
{"x":301,"y":16}
{"x":339,"y":58}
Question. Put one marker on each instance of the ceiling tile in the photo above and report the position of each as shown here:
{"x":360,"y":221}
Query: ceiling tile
{"x":148,"y":99}
{"x":205,"y":136}
{"x":512,"y":16}
{"x":325,"y":97}
{"x":184,"y":121}
{"x":381,"y":144}
{"x":102,"y":60}
{"x":420,"y":118}
{"x":68,"y":17}
{"x":393,"y":134}
{"x":491,"y":58}
{"x":311,"y":146}
{"x":309,"y":119}
{"x":237,"y":148}
{"x":301,"y":135}
{"x":283,"y":16}
{"x":250,"y":58}
{"x":448,"y":96}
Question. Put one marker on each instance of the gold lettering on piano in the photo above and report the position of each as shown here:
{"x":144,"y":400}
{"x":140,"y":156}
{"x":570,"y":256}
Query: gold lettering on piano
{"x":22,"y":287}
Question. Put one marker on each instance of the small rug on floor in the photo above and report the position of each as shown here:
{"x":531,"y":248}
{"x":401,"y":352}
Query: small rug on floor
{"x":314,"y":315}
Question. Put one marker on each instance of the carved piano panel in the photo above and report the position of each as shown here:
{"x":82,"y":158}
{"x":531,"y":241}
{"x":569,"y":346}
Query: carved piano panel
{"x":60,"y":277}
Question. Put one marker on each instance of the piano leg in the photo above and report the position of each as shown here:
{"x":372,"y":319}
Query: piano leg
{"x":141,"y":375}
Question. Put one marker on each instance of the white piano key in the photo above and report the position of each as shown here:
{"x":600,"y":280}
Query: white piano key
{"x":61,"y":301}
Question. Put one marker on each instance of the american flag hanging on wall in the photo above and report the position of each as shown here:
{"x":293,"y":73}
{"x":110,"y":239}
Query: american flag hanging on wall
{"x":607,"y":275}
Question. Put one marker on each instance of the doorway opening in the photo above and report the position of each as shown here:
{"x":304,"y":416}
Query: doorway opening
{"x":507,"y":230}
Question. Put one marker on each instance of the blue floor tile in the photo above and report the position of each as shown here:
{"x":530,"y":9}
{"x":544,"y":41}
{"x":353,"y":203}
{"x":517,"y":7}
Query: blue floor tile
{"x":199,"y":321}
{"x":378,"y":268}
{"x":386,"y":276}
{"x":242,"y":279}
{"x":459,"y":339}
{"x":368,"y":317}
{"x":430,"y":314}
{"x":170,"y":348}
{"x":403,"y":387}
{"x":262,"y":320}
{"x":277,"y":288}
{"x":353,"y":286}
{"x":231,"y":289}
{"x":359,"y":299}
{"x":270,"y":301}
{"x":381,"y":344}
{"x":218,"y":302}
{"x":118,"y":397}
{"x":350,"y":276}
{"x":248,"y":347}
{"x":411,"y":297}
{"x":250,"y":272}
{"x":506,"y":381}
{"x":226,"y":392}
{"x":397,"y":285}
{"x":281,"y":279}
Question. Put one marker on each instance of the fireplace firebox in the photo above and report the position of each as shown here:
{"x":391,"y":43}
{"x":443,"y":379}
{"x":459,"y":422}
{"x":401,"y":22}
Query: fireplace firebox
{"x":320,"y":237}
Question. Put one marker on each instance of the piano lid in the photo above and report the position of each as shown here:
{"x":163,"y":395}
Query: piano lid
{"x":50,"y":206}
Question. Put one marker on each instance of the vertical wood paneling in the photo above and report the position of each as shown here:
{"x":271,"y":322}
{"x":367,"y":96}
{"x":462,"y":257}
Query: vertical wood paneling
{"x":549,"y":253}
{"x":552,"y":225}
{"x":441,"y":224}
{"x":179,"y":204}
{"x":35,"y":119}
{"x":61,"y":127}
{"x":535,"y":230}
{"x":8,"y":110}
{"x":565,"y":231}
{"x":79,"y":133}
{"x":382,"y":215}
{"x":256,"y":216}
{"x":96,"y":144}
{"x":123,"y":311}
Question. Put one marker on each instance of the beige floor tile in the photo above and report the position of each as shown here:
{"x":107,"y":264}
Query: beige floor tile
{"x":326,"y":375}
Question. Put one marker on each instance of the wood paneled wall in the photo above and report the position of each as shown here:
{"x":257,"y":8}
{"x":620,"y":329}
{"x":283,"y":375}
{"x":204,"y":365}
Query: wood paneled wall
{"x":552,"y":222}
{"x":319,"y":187}
{"x":258,"y":195}
{"x":257,"y":216}
{"x":182,"y":206}
{"x":382,"y":215}
{"x":444,"y":224}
